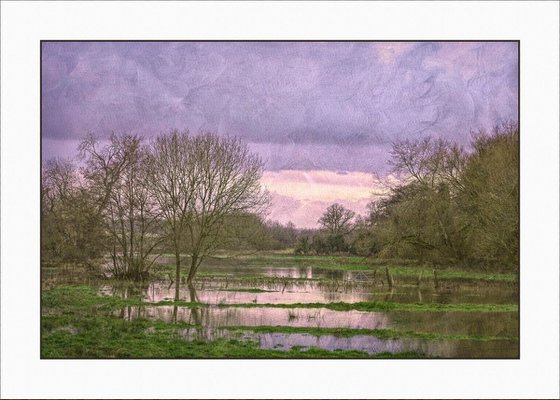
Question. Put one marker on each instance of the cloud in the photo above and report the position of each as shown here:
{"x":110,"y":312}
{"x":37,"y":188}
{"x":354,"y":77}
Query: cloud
{"x":300,"y":105}
{"x":389,"y":52}
{"x":303,"y":196}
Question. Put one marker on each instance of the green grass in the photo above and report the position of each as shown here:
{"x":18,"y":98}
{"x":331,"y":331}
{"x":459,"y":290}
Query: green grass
{"x":65,"y":345}
{"x":70,"y":336}
{"x":349,"y":332}
{"x":403,"y":268}
{"x":86,"y":298}
{"x":248,"y":290}
{"x":388,"y":306}
{"x":77,"y":323}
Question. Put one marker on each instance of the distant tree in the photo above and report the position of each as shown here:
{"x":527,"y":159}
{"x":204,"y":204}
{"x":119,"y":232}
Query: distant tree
{"x":303,"y":246}
{"x":337,"y":220}
{"x":71,"y":228}
{"x":246,"y":232}
{"x":285,"y":235}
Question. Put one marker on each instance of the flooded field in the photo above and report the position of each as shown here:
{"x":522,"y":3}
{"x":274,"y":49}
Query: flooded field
{"x":295,"y":308}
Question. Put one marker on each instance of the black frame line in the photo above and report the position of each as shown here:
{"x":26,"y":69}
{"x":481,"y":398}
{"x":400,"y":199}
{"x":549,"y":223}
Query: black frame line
{"x":275,"y":41}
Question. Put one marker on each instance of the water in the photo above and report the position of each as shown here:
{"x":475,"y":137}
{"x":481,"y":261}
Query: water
{"x":222,"y":286}
{"x":366,"y":343}
{"x":215,"y":317}
{"x":219,"y":290}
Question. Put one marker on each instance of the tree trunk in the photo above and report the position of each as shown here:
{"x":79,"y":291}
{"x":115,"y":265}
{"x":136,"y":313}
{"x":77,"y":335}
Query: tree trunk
{"x":389,"y":277}
{"x":177,"y":271}
{"x":194,"y":267}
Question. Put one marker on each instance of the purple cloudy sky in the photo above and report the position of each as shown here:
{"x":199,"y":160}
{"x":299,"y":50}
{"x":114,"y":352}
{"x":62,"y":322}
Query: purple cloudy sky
{"x":317,"y":108}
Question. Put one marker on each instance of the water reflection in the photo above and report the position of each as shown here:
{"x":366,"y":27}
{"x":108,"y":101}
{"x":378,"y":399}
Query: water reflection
{"x":373,"y":345}
{"x":215,"y":317}
{"x":236,"y":284}
{"x":501,"y":324}
{"x":225,"y":291}
{"x":369,"y":344}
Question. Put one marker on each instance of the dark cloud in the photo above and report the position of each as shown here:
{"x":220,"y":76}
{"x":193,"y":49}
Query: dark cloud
{"x":301,"y":105}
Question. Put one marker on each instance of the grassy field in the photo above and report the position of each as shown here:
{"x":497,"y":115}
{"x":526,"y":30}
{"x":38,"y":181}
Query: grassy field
{"x":78,"y":321}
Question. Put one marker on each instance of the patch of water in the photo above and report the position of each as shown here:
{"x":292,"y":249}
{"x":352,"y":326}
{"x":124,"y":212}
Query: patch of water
{"x":215,"y":317}
{"x":373,"y":345}
{"x":447,"y":323}
{"x":219,"y":291}
{"x":367,"y":343}
{"x":501,"y":324}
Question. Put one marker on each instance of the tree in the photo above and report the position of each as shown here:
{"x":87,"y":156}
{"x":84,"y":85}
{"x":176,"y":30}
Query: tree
{"x":285,"y":235}
{"x":451,"y":205}
{"x":228,"y":183}
{"x":428,"y":162}
{"x":337,"y":220}
{"x":71,"y":228}
{"x":489,"y":202}
{"x":172,"y":180}
{"x":303,"y":246}
{"x":116,"y":174}
{"x":246,"y":231}
{"x":422,"y":208}
{"x":336,"y":223}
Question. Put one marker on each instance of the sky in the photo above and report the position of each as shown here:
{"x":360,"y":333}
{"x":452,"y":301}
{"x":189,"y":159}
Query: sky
{"x":322,"y":115}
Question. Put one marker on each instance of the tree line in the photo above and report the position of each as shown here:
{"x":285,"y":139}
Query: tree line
{"x":133,"y":200}
{"x":449,"y":206}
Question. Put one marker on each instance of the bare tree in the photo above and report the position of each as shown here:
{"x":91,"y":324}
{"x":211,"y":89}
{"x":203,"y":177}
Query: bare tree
{"x":337,"y":220}
{"x":433,"y":169}
{"x":172,"y":181}
{"x":117,"y":175}
{"x":428,"y":161}
{"x":228,"y":185}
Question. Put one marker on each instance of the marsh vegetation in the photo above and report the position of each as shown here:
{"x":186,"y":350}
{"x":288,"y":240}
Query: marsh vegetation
{"x":248,"y":309}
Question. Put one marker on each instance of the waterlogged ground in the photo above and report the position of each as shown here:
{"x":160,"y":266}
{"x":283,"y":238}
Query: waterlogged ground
{"x":285,"y":306}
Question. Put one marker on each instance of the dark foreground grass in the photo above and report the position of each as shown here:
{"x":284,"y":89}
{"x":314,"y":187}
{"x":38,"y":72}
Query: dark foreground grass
{"x":76,"y":324}
{"x":66,"y":345}
{"x":110,"y":337}
{"x":349,"y":332}
{"x":169,"y":345}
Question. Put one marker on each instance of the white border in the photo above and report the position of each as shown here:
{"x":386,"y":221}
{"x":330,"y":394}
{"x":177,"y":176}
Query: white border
{"x":24,"y":375}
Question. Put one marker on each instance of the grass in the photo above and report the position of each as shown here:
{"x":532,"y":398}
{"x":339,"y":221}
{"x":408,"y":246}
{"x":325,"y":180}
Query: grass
{"x":362,"y":264}
{"x":248,"y":290}
{"x":77,"y":322}
{"x":78,"y":336}
{"x":65,"y":345}
{"x":349,"y":332}
{"x":86,"y":298}
{"x":74,"y":326}
{"x":388,"y":306}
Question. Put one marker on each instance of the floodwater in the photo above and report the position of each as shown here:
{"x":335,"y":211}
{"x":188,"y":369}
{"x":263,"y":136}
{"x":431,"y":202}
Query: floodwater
{"x":223,"y":289}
